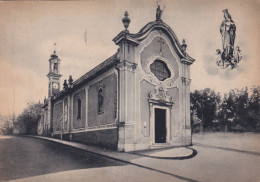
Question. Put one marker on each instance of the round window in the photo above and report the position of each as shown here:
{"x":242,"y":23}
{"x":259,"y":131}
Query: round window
{"x":160,"y":70}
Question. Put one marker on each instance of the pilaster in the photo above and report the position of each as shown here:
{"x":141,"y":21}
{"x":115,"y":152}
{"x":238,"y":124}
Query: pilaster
{"x":186,"y":124}
{"x":127,"y":106}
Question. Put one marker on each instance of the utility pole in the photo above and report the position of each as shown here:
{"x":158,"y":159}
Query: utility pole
{"x":13,"y":113}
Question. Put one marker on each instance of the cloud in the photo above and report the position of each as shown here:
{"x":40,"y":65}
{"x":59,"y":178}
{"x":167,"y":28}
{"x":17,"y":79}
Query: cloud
{"x":209,"y":63}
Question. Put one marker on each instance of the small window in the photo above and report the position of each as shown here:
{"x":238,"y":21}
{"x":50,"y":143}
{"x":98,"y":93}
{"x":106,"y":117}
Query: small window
{"x":55,"y":66}
{"x":160,"y":70}
{"x":100,"y":100}
{"x":79,"y":108}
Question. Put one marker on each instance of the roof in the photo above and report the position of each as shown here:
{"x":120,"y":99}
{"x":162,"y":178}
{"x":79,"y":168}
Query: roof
{"x":144,"y":32}
{"x":136,"y":39}
{"x":105,"y":65}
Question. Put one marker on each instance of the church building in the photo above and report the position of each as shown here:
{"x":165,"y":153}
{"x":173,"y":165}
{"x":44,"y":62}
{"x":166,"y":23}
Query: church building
{"x":139,"y":98}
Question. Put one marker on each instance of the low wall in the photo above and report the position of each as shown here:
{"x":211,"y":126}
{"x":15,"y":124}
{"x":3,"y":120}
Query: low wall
{"x":102,"y":138}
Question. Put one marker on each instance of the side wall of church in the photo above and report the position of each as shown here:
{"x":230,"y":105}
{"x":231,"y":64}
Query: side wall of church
{"x":57,"y":115}
{"x":66,"y":114}
{"x":79,"y":121}
{"x":109,"y":113}
{"x":90,"y":125}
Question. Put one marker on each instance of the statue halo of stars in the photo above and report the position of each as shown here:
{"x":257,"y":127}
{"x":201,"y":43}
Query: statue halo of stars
{"x":229,"y":57}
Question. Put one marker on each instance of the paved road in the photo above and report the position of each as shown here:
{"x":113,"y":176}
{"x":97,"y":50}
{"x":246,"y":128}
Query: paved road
{"x":221,"y":157}
{"x":30,"y":159}
{"x":23,"y":157}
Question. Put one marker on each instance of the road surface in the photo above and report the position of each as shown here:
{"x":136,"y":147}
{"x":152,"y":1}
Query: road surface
{"x":31,"y":159}
{"x":223,"y":157}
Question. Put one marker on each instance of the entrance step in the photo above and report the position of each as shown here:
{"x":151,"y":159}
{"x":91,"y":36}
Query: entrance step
{"x":160,"y":145}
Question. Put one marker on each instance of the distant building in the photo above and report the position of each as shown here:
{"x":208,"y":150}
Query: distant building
{"x":139,"y":98}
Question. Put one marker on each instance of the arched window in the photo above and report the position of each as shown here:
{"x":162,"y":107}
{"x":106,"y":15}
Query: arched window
{"x":79,"y":108}
{"x":66,"y":113}
{"x":100,"y":100}
{"x":160,"y":70}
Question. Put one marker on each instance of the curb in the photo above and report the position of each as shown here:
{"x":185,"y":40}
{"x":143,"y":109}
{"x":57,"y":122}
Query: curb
{"x":193,"y":154}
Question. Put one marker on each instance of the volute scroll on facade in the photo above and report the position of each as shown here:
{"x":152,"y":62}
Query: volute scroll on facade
{"x":186,"y":81}
{"x":126,"y":65}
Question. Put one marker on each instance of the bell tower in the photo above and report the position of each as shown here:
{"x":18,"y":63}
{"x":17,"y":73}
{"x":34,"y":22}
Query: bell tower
{"x":54,"y":75}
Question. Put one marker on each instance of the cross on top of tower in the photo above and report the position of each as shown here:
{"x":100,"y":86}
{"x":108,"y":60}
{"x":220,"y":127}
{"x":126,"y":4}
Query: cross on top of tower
{"x":54,"y":48}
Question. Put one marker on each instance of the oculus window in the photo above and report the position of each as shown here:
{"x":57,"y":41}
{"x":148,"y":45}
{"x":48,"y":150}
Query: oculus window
{"x":160,"y":70}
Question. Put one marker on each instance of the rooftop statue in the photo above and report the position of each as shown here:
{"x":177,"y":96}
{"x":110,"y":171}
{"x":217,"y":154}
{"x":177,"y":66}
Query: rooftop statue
{"x":159,"y":12}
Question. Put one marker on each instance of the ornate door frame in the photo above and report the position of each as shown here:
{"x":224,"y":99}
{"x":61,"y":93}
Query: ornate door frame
{"x":152,"y":121}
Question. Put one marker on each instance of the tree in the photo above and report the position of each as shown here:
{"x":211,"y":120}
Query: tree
{"x":205,"y":104}
{"x":227,"y":110}
{"x":238,"y":111}
{"x":241,"y":107}
{"x":254,"y":108}
{"x":30,"y":117}
{"x":6,"y":124}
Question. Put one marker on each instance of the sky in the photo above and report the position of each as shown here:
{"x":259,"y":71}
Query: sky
{"x":83,"y":32}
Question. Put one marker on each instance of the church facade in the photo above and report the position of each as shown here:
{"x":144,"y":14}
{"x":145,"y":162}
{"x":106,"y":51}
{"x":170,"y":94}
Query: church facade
{"x":137,"y":99}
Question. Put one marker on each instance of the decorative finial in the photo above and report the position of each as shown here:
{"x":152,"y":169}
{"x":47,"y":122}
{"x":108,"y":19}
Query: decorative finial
{"x":184,"y":45}
{"x":65,"y":85}
{"x":70,"y":81}
{"x":126,"y":21}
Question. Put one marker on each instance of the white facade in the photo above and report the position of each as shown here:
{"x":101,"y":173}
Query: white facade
{"x":143,"y":95}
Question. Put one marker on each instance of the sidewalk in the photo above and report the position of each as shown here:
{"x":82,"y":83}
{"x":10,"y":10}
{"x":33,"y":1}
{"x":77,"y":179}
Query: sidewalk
{"x":176,"y":153}
{"x":144,"y":159}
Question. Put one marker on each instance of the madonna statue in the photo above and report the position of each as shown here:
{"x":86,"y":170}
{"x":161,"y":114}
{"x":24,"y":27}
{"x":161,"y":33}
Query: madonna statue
{"x":228,"y":34}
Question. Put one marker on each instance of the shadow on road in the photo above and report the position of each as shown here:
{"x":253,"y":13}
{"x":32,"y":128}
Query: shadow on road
{"x":23,"y":157}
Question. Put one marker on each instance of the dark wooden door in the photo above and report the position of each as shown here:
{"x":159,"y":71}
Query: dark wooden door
{"x":160,"y":126}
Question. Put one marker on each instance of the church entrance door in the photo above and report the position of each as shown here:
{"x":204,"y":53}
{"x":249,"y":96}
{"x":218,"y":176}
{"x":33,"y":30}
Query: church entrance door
{"x":160,"y":125}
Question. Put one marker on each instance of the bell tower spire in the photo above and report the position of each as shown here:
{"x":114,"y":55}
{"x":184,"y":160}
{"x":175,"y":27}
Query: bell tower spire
{"x":54,"y":73}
